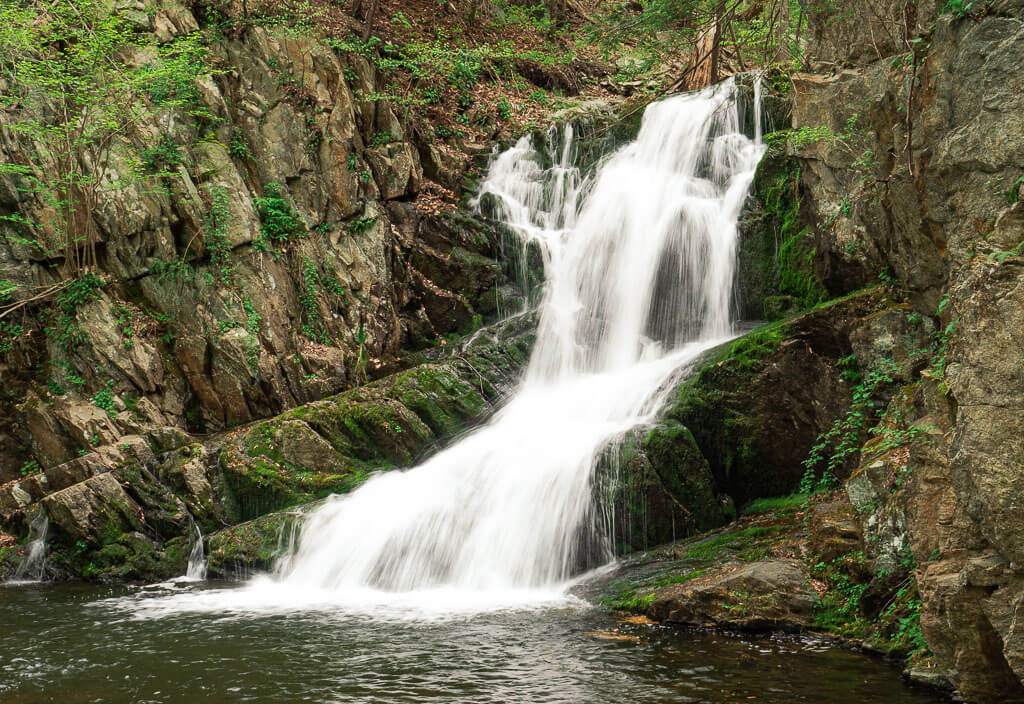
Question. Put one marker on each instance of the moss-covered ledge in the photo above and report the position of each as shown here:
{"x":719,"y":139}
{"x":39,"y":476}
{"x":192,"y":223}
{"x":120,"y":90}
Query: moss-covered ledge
{"x":332,"y":445}
{"x":738,"y":427}
{"x":128,"y":513}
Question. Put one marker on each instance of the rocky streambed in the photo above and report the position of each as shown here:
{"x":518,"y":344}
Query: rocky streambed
{"x":792,"y":565}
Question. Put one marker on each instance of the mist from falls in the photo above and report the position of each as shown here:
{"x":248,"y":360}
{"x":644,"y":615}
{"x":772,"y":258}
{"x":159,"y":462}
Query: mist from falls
{"x":639,"y":261}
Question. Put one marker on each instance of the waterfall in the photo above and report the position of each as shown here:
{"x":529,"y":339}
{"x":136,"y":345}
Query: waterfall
{"x":32,"y":566}
{"x":639,"y":259}
{"x":196,"y":570}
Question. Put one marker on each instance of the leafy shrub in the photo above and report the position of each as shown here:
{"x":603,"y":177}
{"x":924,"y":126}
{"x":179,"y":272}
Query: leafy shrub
{"x":280,"y":222}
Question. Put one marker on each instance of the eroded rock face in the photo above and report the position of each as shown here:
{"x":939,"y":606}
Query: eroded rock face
{"x":912,"y":194}
{"x":280,"y":258}
{"x":129,"y":510}
{"x":741,"y":424}
{"x":867,"y":31}
{"x":913,"y":174}
{"x":757,"y":405}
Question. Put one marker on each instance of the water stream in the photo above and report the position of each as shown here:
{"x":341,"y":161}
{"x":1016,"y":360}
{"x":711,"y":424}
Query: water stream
{"x":75,"y":643}
{"x":450,"y":581}
{"x":639,"y":263}
{"x":32,"y":566}
{"x":196,"y":570}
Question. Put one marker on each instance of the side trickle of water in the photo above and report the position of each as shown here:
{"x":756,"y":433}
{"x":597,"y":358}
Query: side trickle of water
{"x":32,"y":567}
{"x":197,"y":561}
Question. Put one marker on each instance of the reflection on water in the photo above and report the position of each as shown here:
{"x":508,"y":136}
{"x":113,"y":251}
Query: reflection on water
{"x":80,"y":643}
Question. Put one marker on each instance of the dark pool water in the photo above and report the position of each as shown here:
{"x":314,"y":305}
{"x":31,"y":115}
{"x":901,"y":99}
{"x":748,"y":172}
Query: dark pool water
{"x":73,"y":643}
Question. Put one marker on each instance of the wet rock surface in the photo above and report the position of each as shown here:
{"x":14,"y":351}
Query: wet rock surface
{"x":128,"y":510}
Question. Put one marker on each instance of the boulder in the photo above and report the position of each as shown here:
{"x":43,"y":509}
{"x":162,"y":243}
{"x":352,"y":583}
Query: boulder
{"x":771,"y":595}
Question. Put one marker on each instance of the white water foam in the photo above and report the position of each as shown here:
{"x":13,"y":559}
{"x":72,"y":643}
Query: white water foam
{"x":32,"y":566}
{"x":639,"y":263}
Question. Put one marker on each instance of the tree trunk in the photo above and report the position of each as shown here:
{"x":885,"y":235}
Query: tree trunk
{"x":716,"y":40}
{"x":371,"y":10}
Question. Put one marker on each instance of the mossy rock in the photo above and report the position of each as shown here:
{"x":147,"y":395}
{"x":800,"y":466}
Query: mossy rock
{"x":134,"y":556}
{"x":255,"y":545}
{"x":136,"y":521}
{"x":331,"y":445}
{"x":661,"y":487}
{"x":8,"y":561}
{"x":442,"y":399}
{"x":777,"y":257}
{"x":756,"y":405}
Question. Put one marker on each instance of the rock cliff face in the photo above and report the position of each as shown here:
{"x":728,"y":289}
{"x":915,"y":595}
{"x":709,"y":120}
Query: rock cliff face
{"x":285,"y":247}
{"x":129,"y":510}
{"x":272,"y":243}
{"x":899,"y":182}
{"x":929,"y":197}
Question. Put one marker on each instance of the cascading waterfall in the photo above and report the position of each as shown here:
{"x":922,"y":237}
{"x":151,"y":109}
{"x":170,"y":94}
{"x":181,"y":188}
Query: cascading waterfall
{"x":639,"y":264}
{"x":639,"y":261}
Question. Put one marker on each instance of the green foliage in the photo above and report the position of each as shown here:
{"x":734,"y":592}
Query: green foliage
{"x":29,"y":468}
{"x":63,"y":327}
{"x":1013,"y":192}
{"x":843,"y":439}
{"x":215,"y":234}
{"x":897,"y":627}
{"x":164,"y":155}
{"x":9,"y":332}
{"x":176,"y":270}
{"x":70,"y":91}
{"x":806,"y":135}
{"x":838,"y":609}
{"x":942,"y":338}
{"x":7,"y":289}
{"x":71,"y":376}
{"x":903,"y":614}
{"x":239,"y":146}
{"x":381,"y":139}
{"x":361,"y":225}
{"x":960,"y":8}
{"x":1000,"y":257}
{"x":850,"y":371}
{"x":766,"y":35}
{"x":252,"y":326}
{"x":104,"y":399}
{"x":504,"y":109}
{"x":125,"y":322}
{"x":445,"y":69}
{"x":312,"y":326}
{"x":893,"y":434}
{"x":886,"y":277}
{"x":352,"y":163}
{"x":280,"y":222}
{"x":171,"y":78}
